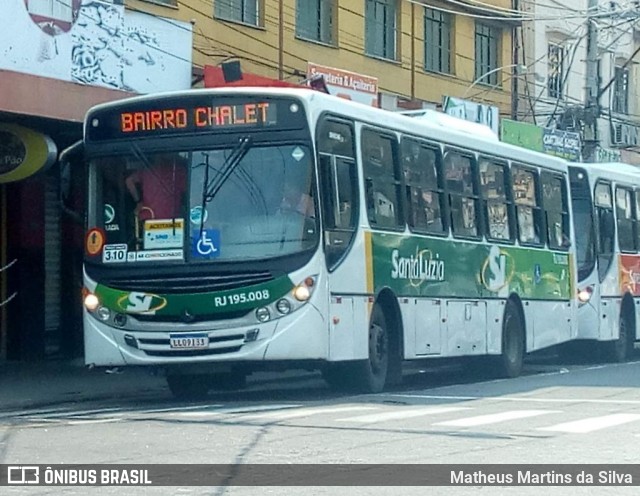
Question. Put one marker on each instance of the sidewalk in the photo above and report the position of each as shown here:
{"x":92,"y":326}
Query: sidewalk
{"x":37,"y":384}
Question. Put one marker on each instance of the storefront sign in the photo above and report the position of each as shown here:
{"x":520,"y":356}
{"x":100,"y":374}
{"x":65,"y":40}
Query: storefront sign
{"x":23,"y":152}
{"x":346,"y":84}
{"x":472,"y":111}
{"x":565,"y":144}
{"x":521,"y":134}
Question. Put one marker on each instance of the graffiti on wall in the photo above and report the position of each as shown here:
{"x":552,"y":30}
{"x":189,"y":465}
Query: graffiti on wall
{"x":96,"y":42}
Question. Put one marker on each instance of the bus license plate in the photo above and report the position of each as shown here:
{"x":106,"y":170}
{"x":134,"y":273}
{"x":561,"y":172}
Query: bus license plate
{"x":189,"y":341}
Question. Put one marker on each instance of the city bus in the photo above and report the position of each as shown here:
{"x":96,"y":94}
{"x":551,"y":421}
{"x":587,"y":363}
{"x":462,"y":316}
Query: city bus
{"x":288,"y":228}
{"x":606,"y":207}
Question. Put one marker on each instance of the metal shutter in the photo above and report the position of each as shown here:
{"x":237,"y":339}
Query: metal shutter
{"x":52,"y":253}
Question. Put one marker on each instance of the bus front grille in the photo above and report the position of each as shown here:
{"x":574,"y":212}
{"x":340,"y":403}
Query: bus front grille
{"x":194,"y":284}
{"x":192,"y":353}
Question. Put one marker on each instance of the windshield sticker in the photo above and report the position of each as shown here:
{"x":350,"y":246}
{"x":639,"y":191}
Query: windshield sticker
{"x":109,"y":213}
{"x":207,"y":245}
{"x":114,"y":253}
{"x":165,"y":233}
{"x":195,"y":215}
{"x":155,"y":255}
{"x":297,"y":153}
{"x":94,"y":241}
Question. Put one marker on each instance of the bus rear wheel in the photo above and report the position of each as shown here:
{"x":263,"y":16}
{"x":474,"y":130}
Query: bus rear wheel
{"x":189,"y":387}
{"x":511,"y":360}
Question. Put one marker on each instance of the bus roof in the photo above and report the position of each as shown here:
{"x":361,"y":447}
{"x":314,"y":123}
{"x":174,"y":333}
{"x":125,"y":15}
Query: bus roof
{"x":442,"y":129}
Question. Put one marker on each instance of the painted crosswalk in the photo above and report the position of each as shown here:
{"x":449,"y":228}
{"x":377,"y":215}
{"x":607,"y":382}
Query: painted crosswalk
{"x":494,"y":418}
{"x":592,"y":424}
{"x":468,"y":416}
{"x":400,"y":414}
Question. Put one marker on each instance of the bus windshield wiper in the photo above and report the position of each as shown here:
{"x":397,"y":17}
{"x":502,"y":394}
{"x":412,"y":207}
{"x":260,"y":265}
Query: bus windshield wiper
{"x":210,"y":188}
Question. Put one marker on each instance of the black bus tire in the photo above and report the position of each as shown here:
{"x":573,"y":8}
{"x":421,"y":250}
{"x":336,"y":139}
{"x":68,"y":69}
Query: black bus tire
{"x":370,"y":376}
{"x":511,"y":360}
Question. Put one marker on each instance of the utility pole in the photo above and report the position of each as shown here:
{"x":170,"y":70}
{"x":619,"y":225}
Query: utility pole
{"x":592,"y":109}
{"x":515,"y":4}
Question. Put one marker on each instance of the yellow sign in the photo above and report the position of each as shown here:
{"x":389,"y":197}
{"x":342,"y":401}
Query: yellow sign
{"x":23,"y":152}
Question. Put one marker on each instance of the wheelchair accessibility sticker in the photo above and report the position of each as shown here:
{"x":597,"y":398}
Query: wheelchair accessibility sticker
{"x":207,"y":245}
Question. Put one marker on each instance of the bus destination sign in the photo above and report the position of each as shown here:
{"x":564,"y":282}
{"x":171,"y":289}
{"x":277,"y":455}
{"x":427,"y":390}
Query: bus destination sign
{"x":189,"y":115}
{"x":248,"y":114}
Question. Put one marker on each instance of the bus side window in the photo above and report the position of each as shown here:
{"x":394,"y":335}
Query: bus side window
{"x":606,"y":227}
{"x":554,"y":201}
{"x":525,"y":187}
{"x":423,"y":191}
{"x":461,"y":189}
{"x":625,"y":219}
{"x":382,"y":180}
{"x":497,"y":203}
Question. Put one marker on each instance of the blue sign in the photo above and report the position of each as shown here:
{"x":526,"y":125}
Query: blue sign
{"x":565,"y":144}
{"x":206,"y":244}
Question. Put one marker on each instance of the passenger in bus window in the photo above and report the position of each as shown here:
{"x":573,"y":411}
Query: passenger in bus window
{"x":296,"y":200}
{"x":157,"y":189}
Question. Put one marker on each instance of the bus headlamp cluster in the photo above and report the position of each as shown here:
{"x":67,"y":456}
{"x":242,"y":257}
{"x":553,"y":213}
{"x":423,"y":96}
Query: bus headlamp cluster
{"x":584,"y":295}
{"x":102,"y":313}
{"x":298,"y":296}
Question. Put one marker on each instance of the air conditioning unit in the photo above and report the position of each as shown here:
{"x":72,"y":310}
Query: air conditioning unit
{"x":616,"y":134}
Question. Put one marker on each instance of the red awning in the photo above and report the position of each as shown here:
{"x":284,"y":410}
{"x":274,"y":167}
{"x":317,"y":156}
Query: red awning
{"x":214,"y":78}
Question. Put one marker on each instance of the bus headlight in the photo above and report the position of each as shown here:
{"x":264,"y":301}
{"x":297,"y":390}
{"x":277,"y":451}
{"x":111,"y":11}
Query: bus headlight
{"x":283,"y":306}
{"x":91,"y":302}
{"x":302,"y":292}
{"x":584,"y":295}
{"x":103,"y":313}
{"x":263,"y":314}
{"x":120,"y":320}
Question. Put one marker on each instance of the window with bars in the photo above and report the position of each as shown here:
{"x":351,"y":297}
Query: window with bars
{"x":381,"y":24}
{"x":556,"y":55}
{"x":438,"y":26}
{"x":487,"y":42}
{"x":620,"y":102}
{"x":244,"y":11}
{"x":315,"y":20}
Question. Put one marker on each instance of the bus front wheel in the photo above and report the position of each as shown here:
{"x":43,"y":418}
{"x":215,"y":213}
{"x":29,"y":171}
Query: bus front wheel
{"x":619,"y":351}
{"x":511,"y":360}
{"x":370,"y":375}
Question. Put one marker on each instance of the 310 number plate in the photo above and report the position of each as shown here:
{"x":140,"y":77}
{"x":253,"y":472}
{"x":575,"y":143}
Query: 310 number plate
{"x":191,"y":341}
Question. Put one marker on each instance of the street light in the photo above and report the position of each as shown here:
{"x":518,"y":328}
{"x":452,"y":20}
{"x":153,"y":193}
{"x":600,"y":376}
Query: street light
{"x":520,"y":69}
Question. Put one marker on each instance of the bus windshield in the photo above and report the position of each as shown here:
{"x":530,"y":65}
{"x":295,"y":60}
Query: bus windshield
{"x":241,"y":202}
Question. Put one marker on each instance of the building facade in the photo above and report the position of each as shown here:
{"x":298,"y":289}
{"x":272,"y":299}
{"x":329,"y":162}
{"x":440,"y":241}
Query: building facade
{"x":581,"y":76}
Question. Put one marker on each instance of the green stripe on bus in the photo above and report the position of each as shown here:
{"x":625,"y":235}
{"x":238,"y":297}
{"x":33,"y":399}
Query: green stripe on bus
{"x":192,"y":303}
{"x":413,"y":266}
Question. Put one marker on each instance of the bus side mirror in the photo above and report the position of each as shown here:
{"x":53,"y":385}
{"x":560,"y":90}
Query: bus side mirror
{"x":72,"y":181}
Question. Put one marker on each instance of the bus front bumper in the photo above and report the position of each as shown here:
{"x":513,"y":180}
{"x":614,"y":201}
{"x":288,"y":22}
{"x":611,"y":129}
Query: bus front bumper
{"x":303,"y":335}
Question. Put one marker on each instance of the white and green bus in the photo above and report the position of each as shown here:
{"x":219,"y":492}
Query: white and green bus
{"x":233,"y":230}
{"x":606,"y":207}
